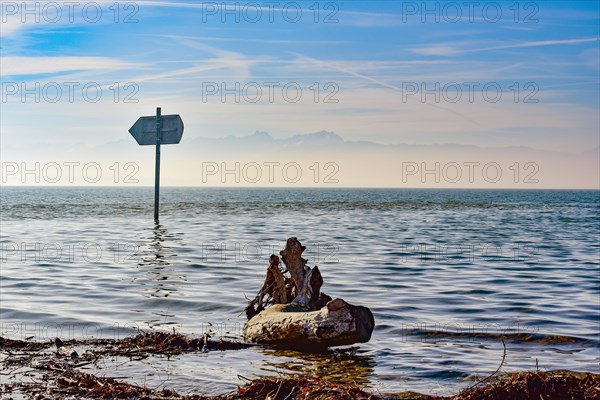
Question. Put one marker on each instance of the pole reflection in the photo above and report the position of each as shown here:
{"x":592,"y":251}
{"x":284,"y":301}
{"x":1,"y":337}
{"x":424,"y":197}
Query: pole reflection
{"x":158,"y":258}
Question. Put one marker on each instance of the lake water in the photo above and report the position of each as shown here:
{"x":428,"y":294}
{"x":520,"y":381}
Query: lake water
{"x":445,"y":272}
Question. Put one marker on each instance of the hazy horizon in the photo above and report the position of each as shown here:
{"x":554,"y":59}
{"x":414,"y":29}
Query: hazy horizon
{"x":321,"y":159}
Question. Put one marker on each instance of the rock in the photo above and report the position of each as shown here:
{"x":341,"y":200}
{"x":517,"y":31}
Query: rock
{"x":64,"y":351}
{"x":290,"y":325}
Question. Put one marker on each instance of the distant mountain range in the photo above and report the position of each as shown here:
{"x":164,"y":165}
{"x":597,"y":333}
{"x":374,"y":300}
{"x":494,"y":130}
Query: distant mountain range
{"x":327,"y":154}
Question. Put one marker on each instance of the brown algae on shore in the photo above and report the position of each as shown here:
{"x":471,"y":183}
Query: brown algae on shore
{"x":37,"y":370}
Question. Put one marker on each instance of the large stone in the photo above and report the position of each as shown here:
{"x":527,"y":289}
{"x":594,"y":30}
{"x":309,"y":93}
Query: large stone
{"x":290,"y":325}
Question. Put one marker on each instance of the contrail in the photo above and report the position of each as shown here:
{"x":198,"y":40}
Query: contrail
{"x":379,"y":82}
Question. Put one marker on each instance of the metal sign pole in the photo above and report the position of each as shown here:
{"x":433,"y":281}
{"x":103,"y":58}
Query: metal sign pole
{"x":157,"y":166}
{"x":157,"y":130}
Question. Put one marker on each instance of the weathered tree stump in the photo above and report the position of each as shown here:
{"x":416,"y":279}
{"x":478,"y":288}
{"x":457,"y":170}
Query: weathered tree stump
{"x":293,"y":312}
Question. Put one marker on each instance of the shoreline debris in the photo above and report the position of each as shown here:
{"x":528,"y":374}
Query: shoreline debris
{"x":32,"y":370}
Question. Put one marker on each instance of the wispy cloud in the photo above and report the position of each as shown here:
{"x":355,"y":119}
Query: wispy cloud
{"x":444,"y":50}
{"x":24,"y":15}
{"x":13,"y":66}
{"x":541,"y":43}
{"x":237,"y":62}
{"x":383,"y":84}
{"x":456,"y":49}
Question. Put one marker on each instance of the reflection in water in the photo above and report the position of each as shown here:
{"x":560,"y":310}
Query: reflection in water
{"x":157,"y":257}
{"x":345,"y":366}
{"x":156,"y":253}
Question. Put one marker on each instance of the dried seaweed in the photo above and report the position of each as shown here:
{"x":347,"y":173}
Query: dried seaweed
{"x":537,"y":385}
{"x":53,"y":374}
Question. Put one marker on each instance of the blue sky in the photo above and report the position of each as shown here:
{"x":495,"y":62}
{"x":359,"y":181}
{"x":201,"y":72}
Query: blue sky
{"x":371,"y":62}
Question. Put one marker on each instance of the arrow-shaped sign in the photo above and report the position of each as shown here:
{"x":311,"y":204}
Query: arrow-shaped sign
{"x":144,"y":130}
{"x":157,"y":130}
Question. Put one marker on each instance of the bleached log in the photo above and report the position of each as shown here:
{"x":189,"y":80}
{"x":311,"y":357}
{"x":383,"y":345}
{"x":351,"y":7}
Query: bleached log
{"x":275,"y":290}
{"x":302,"y":287}
{"x":307,"y":282}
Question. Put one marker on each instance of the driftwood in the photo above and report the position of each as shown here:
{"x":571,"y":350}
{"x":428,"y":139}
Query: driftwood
{"x":292,"y":311}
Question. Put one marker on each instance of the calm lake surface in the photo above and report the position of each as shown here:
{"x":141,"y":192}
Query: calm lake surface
{"x":446,"y":273}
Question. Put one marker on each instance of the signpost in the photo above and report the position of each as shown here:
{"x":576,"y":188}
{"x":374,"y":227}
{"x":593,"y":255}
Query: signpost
{"x":165,"y":129}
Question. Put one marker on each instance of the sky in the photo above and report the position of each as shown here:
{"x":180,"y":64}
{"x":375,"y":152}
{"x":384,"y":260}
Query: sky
{"x":376,"y":93}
